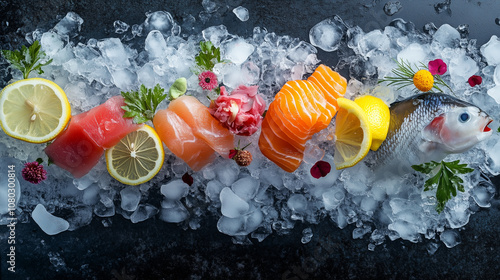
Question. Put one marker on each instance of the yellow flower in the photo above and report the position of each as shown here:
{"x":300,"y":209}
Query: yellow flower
{"x":423,"y":80}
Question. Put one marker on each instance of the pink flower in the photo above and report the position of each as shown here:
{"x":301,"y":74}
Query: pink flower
{"x":241,"y":112}
{"x":437,"y":66}
{"x":208,"y":80}
{"x":320,"y":169}
{"x":33,"y":172}
{"x":475,"y":80}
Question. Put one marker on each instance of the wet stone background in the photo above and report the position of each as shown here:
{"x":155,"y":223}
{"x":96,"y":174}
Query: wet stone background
{"x":157,"y":250}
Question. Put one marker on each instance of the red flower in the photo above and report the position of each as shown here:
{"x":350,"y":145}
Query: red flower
{"x":475,"y":80}
{"x":208,"y":80}
{"x":437,"y":66}
{"x":320,"y":169}
{"x":232,"y":153}
{"x":33,"y":172}
{"x":241,"y":112}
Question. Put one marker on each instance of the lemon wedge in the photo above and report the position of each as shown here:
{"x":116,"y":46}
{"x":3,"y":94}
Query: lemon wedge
{"x":137,"y":158}
{"x":378,"y":115}
{"x":352,"y":133}
{"x":34,"y":110}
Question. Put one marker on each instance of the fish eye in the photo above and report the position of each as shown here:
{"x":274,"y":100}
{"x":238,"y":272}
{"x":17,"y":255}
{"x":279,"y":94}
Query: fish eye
{"x":464,"y":117}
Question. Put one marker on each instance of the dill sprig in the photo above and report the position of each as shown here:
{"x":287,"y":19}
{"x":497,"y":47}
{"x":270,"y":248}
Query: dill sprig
{"x":404,"y":73}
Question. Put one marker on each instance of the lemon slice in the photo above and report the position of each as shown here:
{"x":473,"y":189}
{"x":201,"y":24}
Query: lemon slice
{"x":352,"y":133}
{"x":378,"y":118}
{"x":34,"y":110}
{"x":137,"y":158}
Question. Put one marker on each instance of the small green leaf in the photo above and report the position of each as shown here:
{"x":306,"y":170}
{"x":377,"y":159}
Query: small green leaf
{"x":142,"y":104}
{"x":178,"y":88}
{"x":39,"y":160}
{"x":27,"y":60}
{"x":446,"y":179}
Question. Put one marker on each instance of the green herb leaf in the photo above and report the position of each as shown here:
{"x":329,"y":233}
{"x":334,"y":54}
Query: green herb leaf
{"x":27,"y":59}
{"x":209,"y":55}
{"x":446,"y":179}
{"x":142,"y":104}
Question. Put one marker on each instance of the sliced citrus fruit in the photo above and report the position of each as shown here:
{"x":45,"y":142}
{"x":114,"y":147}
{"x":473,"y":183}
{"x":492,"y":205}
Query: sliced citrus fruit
{"x":378,"y":118}
{"x":34,"y":110}
{"x":352,"y":133}
{"x":137,"y":158}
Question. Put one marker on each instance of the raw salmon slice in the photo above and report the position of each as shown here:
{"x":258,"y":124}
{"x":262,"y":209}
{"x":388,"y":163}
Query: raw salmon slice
{"x":203,"y":124}
{"x":300,"y":109}
{"x":181,"y":141}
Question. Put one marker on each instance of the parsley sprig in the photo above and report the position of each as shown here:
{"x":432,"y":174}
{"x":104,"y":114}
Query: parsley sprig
{"x":446,"y":179}
{"x":208,"y":56}
{"x":142,"y":104}
{"x":27,"y":59}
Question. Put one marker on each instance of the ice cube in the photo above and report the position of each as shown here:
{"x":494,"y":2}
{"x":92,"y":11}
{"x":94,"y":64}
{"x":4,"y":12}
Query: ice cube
{"x":414,"y":54}
{"x":70,"y":25}
{"x":446,"y":36}
{"x":307,"y":235}
{"x":175,"y":214}
{"x":130,"y":196}
{"x":496,"y":75}
{"x":333,"y":197}
{"x":81,"y":216}
{"x":237,"y":50}
{"x":246,"y":188}
{"x":49,"y":223}
{"x":458,"y":215}
{"x":373,"y":43}
{"x":51,"y":43}
{"x":369,"y":205}
{"x":120,"y":27}
{"x":358,"y":233}
{"x":213,"y":190}
{"x":327,"y":34}
{"x":392,"y":7}
{"x":91,"y":195}
{"x":227,"y":172}
{"x":297,"y":203}
{"x":495,"y":93}
{"x":215,"y":34}
{"x":490,"y":51}
{"x":241,"y":13}
{"x":231,"y":226}
{"x":301,"y":52}
{"x":461,"y":67}
{"x":155,"y":45}
{"x":482,"y":196}
{"x":175,"y":190}
{"x":114,"y":52}
{"x":161,"y":21}
{"x":450,"y":238}
{"x":268,"y":176}
{"x":124,"y":79}
{"x":405,"y":230}
{"x":143,"y":212}
{"x":232,"y":205}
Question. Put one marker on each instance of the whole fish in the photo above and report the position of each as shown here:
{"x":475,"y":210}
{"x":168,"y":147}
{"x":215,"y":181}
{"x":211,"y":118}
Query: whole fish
{"x":427,"y":127}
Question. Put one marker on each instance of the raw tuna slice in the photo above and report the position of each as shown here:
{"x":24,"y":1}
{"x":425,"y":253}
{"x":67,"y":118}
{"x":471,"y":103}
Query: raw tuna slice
{"x":106,"y":125}
{"x":80,"y":146}
{"x":74,"y":150}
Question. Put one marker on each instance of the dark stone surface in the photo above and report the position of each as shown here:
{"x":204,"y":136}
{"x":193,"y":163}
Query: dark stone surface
{"x":157,"y":250}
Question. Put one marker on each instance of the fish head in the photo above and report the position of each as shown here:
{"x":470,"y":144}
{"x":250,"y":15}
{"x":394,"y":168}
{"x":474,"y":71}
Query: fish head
{"x":458,"y":129}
